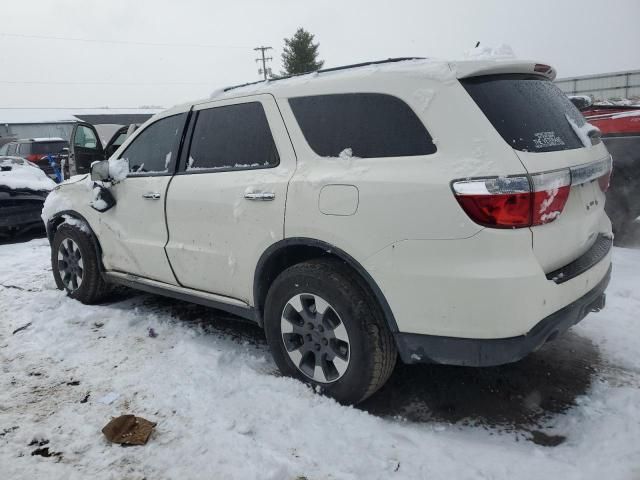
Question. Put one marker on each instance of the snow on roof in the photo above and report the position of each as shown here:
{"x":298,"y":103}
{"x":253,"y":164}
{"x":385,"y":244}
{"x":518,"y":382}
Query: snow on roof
{"x":482,"y":62}
{"x":64,"y":115}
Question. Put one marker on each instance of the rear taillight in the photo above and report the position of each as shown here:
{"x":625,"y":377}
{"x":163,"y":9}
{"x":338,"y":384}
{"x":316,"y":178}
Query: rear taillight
{"x":604,"y":181}
{"x":550,"y":192}
{"x":526,"y":200}
{"x":503,"y":202}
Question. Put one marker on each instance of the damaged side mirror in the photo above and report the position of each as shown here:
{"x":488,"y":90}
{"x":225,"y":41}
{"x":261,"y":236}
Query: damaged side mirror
{"x":103,"y":199}
{"x":100,"y":171}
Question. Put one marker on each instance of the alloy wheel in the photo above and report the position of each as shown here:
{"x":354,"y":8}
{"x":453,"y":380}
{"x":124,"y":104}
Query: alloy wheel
{"x":315,"y":338}
{"x":70,"y":264}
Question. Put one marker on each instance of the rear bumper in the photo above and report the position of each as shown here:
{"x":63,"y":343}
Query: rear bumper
{"x":416,"y":348}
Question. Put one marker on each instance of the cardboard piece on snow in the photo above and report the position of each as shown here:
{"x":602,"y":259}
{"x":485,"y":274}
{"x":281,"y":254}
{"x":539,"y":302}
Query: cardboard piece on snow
{"x":128,"y":430}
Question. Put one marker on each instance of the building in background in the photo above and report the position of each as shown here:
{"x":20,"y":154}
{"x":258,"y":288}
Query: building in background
{"x":58,"y":122}
{"x":606,"y":87}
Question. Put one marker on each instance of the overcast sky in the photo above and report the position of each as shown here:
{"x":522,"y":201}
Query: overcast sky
{"x":206,"y":44}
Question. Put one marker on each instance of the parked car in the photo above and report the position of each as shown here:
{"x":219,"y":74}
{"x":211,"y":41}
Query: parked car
{"x":358,"y":214}
{"x":84,"y":149}
{"x":620,"y":127}
{"x":23,"y":188}
{"x":36,"y":150}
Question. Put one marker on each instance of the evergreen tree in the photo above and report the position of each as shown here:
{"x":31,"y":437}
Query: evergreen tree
{"x":300,"y":54}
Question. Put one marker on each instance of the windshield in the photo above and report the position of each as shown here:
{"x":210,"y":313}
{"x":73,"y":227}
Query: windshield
{"x":530,"y":112}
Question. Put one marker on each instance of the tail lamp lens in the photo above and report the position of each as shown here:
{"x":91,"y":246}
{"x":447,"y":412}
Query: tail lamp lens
{"x":502,"y":202}
{"x":514,"y":202}
{"x":549,"y":196}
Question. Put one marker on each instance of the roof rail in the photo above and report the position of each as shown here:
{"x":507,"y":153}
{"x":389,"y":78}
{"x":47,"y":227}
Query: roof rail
{"x":333,"y":69}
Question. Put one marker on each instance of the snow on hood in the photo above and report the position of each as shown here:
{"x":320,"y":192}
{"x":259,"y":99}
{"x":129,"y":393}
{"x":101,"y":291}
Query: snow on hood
{"x":16,"y":173}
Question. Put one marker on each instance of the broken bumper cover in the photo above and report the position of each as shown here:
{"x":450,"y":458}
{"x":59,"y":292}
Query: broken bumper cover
{"x":416,"y":348}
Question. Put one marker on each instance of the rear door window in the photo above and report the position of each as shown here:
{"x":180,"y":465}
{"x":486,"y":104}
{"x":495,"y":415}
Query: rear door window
{"x":370,"y":124}
{"x":232,"y":137}
{"x":528,"y":111}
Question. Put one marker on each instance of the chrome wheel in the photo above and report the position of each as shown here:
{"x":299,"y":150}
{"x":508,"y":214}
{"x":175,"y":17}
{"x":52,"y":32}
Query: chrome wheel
{"x":315,"y":338}
{"x":70,"y":264}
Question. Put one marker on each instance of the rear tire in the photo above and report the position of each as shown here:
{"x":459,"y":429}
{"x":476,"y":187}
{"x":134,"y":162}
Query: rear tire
{"x":324,"y":328}
{"x":76,"y":266}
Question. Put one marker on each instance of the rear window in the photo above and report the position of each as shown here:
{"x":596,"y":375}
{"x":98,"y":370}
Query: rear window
{"x":42,"y":148}
{"x":530,"y":112}
{"x":370,"y":124}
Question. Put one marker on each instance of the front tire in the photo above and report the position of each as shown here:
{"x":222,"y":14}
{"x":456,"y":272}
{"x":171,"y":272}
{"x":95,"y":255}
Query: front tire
{"x":325,"y":329}
{"x":75,"y":264}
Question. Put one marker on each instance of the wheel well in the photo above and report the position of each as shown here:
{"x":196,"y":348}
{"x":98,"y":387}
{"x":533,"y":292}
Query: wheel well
{"x":54,"y":223}
{"x":280,"y":257}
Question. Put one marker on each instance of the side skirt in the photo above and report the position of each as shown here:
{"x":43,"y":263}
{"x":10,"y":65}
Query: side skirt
{"x":227,"y":304}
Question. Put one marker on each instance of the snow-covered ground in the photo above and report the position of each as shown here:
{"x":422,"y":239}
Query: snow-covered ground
{"x":224,"y":412}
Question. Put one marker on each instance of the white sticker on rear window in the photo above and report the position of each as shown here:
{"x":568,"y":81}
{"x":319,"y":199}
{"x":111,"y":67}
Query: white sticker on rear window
{"x":546,"y":139}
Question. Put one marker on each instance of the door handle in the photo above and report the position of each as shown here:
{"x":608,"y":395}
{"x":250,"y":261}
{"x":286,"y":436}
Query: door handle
{"x":260,"y":196}
{"x":151,"y":196}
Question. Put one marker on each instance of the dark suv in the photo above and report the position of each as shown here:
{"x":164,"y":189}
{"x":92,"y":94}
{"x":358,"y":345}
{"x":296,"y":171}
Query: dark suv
{"x":36,"y":150}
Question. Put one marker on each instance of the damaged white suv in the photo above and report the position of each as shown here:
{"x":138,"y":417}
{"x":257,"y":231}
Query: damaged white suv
{"x":448,"y":212}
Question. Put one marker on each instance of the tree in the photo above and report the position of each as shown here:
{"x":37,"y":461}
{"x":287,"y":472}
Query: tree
{"x":300,"y":54}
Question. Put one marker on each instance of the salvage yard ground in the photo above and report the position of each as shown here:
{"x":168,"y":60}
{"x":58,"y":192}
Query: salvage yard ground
{"x":570,"y":411}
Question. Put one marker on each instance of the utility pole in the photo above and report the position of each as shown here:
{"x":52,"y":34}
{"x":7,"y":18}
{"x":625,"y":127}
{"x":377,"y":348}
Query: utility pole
{"x":264,"y":70}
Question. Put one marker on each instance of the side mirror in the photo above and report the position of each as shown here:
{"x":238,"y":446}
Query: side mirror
{"x":100,"y":171}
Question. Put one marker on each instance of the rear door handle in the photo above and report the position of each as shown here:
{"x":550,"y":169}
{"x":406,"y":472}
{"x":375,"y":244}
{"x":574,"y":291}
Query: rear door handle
{"x":260,"y":196}
{"x":151,"y":196}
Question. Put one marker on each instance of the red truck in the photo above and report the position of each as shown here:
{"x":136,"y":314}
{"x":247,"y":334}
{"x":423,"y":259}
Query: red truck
{"x":620,"y":127}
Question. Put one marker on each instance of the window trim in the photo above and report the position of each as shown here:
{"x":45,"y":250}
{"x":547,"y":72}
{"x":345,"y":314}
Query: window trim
{"x":171,"y":169}
{"x":360,"y":92}
{"x":182,"y":170}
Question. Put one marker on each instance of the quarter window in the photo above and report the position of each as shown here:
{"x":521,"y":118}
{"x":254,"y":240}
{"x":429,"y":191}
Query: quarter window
{"x":233,"y":136}
{"x":370,"y":124}
{"x":153,"y":150}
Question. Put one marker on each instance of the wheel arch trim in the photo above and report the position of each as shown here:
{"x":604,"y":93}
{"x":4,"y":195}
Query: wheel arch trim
{"x":72,"y":213}
{"x":331,"y":250}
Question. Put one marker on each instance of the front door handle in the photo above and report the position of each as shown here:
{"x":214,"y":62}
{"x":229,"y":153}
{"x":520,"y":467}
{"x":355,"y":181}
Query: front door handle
{"x":260,"y":196}
{"x":151,"y":196}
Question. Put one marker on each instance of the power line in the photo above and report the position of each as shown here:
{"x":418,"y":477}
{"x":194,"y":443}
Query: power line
{"x":41,"y":82}
{"x":120,"y":42}
{"x":264,"y":70}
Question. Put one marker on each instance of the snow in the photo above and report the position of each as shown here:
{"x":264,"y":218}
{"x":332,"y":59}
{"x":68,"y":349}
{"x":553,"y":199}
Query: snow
{"x":346,"y":154}
{"x":23,"y":175}
{"x":224,"y":412}
{"x":433,"y":69}
{"x":483,"y":52}
{"x":118,"y":169}
{"x":582,"y":131}
{"x":632,"y":113}
{"x":49,"y":139}
{"x":77,"y":223}
{"x":53,"y":204}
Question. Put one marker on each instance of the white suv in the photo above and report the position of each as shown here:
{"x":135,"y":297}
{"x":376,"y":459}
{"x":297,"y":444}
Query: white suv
{"x":448,"y":212}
